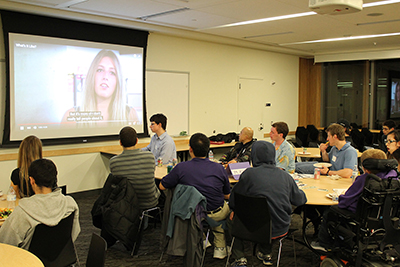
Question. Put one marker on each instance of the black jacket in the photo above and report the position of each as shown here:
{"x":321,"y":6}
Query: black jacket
{"x":241,"y":152}
{"x":117,"y":210}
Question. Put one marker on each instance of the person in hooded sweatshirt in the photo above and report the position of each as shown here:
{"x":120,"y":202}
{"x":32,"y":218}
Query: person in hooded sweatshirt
{"x":264,"y":179}
{"x":48,"y":206}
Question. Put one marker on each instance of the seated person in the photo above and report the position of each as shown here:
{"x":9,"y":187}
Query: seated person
{"x":350,"y":199}
{"x":387,"y":127}
{"x":137,"y":166}
{"x":264,"y":179}
{"x":342,"y":156}
{"x":393,"y":144}
{"x":242,"y":150}
{"x":285,"y":153}
{"x":347,"y":128}
{"x":210,"y":179}
{"x":161,"y":144}
{"x":47,"y":206}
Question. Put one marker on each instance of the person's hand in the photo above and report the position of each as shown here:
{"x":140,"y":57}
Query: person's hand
{"x":323,"y":147}
{"x":324,"y":170}
{"x":231,"y":215}
{"x":232,"y":161}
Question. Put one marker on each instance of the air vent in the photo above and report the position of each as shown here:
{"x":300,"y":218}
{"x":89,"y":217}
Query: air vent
{"x":164,"y":13}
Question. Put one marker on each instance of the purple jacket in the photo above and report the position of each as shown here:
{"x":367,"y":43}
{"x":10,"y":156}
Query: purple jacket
{"x":350,"y":199}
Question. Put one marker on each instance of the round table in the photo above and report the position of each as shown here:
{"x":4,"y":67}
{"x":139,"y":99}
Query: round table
{"x":17,"y":257}
{"x":316,"y":190}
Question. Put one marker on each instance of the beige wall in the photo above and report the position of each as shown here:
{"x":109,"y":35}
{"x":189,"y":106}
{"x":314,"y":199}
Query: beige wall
{"x":214,"y":71}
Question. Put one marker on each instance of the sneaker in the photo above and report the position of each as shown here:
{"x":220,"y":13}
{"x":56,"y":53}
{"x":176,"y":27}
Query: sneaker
{"x":208,"y":244}
{"x":317,"y":246}
{"x":240,"y":262}
{"x":265,"y":258}
{"x":220,"y":253}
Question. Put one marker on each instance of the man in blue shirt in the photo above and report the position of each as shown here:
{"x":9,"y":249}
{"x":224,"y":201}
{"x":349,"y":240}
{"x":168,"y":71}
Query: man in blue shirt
{"x":285,"y":153}
{"x":210,"y":179}
{"x":161,"y":144}
{"x":342,"y":156}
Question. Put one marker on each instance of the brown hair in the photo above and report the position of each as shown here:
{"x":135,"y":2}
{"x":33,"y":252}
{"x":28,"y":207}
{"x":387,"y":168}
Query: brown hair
{"x":30,"y":150}
{"x":282,"y":128}
{"x":338,"y":130}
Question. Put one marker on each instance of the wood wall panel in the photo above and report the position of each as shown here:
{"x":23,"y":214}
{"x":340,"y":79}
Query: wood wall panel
{"x":309,"y":92}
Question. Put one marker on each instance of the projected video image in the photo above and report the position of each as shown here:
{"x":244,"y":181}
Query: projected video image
{"x":67,"y":88}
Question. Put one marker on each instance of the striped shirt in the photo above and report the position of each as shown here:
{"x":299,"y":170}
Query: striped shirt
{"x":138,"y":167}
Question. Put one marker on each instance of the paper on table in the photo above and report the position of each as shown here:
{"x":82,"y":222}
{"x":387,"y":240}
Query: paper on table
{"x":339,"y":191}
{"x":305,"y":175}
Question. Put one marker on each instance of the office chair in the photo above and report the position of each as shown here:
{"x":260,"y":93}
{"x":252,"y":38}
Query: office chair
{"x":252,"y":222}
{"x":313,"y":137}
{"x":97,"y":252}
{"x":138,"y":240}
{"x":53,"y":244}
{"x":301,"y":136}
{"x":369,"y":137}
{"x":358,"y":139}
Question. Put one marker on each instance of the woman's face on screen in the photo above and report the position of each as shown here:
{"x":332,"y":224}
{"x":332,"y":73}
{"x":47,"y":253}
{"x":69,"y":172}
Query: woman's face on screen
{"x":105,"y":78}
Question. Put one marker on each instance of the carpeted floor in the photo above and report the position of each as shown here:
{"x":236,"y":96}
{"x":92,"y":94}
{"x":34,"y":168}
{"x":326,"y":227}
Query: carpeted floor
{"x":149,"y":253}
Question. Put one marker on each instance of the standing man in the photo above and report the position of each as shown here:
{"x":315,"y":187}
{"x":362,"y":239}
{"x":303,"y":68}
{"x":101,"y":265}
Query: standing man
{"x":342,"y":156}
{"x":161,"y":144}
{"x":137,"y":166}
{"x":284,"y":152}
{"x":264,"y":179}
{"x":387,"y":127}
{"x":210,"y":179}
{"x":241,"y":151}
{"x":47,"y":206}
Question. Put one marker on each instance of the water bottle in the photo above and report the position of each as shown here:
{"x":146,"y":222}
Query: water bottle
{"x":11,"y":198}
{"x":355,"y":173}
{"x":211,"y":155}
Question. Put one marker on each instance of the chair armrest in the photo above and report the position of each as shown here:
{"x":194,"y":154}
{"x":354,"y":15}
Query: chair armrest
{"x":344,"y":213}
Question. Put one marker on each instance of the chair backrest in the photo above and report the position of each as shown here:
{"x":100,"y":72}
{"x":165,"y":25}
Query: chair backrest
{"x":313,"y":133}
{"x":358,"y":139}
{"x":97,"y":252}
{"x":301,"y":136}
{"x":369,"y":137}
{"x":252,"y":220}
{"x":53,"y":244}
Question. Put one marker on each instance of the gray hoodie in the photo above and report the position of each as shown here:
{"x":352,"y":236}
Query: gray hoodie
{"x":47,"y":209}
{"x":267,"y":180}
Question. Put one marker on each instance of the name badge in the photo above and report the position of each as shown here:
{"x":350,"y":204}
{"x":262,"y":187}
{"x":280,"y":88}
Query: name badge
{"x":334,"y":158}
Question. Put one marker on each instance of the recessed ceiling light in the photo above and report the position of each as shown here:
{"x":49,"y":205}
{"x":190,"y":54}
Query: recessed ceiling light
{"x":345,"y":38}
{"x":381,"y":3}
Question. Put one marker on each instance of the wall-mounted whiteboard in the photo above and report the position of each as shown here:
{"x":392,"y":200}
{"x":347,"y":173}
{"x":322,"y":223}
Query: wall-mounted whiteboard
{"x":167,"y":92}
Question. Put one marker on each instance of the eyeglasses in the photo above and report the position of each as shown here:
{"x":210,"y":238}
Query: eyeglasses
{"x":389,"y":141}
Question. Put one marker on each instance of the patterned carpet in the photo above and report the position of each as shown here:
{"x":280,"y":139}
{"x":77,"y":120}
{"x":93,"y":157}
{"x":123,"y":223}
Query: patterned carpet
{"x":149,"y":253}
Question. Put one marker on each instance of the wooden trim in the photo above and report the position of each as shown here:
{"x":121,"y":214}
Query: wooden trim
{"x":290,"y":133}
{"x":48,"y":152}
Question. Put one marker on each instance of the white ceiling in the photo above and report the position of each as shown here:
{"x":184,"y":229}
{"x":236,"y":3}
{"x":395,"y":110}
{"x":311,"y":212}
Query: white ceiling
{"x":199,"y":19}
